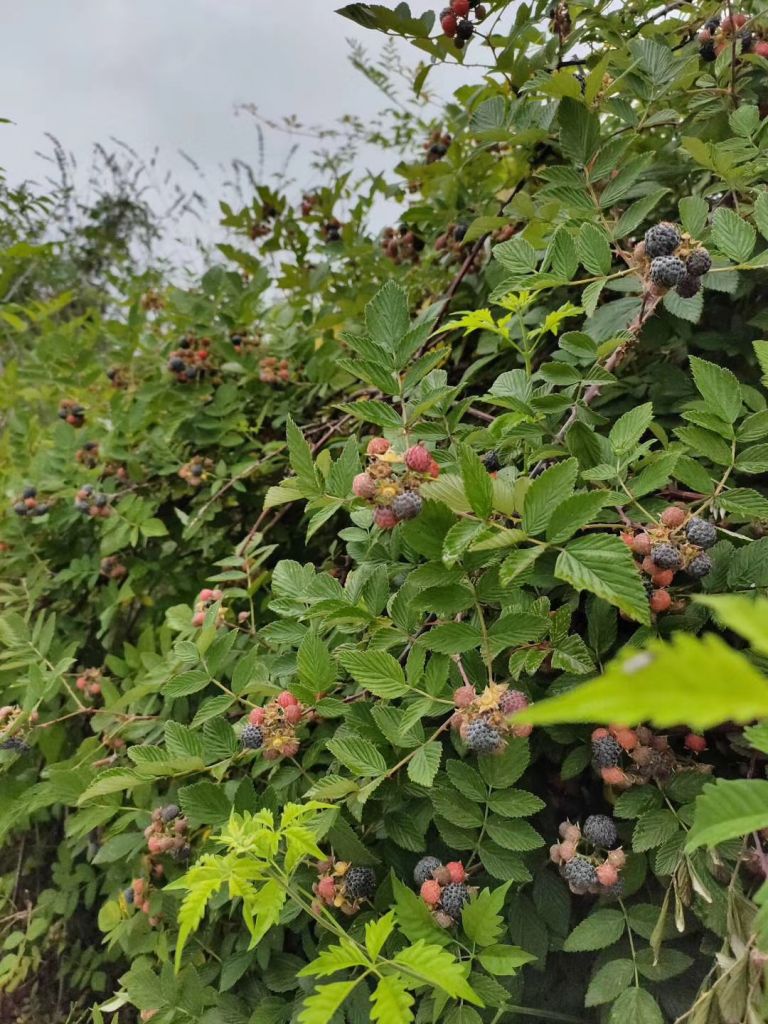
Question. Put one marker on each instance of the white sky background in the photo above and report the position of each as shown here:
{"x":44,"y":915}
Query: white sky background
{"x":170,"y":73}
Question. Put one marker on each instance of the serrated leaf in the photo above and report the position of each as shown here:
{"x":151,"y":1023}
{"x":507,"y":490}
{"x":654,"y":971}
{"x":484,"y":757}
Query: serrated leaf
{"x":593,"y":249}
{"x":425,"y":763}
{"x":301,"y":460}
{"x":546,"y":493}
{"x":504,"y":961}
{"x":205,"y":803}
{"x":635,"y":1006}
{"x":604,"y":566}
{"x":629,"y":428}
{"x":481,"y":918}
{"x":609,"y":982}
{"x":437,"y":967}
{"x":732,"y":235}
{"x":570,"y":515}
{"x":376,"y":671}
{"x":477,"y":482}
{"x":321,"y":1006}
{"x":598,"y":931}
{"x":728,"y":809}
{"x":391,"y":1002}
{"x":358,"y":754}
{"x":694,"y":212}
{"x":718,"y":387}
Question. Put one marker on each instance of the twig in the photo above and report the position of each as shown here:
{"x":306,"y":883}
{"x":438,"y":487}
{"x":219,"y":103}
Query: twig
{"x":659,"y":14}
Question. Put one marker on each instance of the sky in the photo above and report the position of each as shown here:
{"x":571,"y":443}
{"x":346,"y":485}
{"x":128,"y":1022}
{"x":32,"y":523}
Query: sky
{"x":170,"y":74}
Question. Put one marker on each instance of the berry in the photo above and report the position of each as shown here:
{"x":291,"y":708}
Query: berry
{"x":482,"y":737}
{"x":688,"y":286}
{"x":449,"y":25}
{"x":417,"y":458}
{"x":660,"y":601}
{"x":456,"y":871}
{"x":512,"y":701}
{"x":430,"y":892}
{"x":460,"y":231}
{"x":579,"y":873}
{"x":21,"y":509}
{"x":326,"y":889}
{"x":196,"y":469}
{"x":666,"y":556}
{"x":695,"y":743}
{"x":641,"y":544}
{"x":364,"y":486}
{"x":128,"y":895}
{"x":170,"y":812}
{"x":606,"y":752}
{"x":464,"y":696}
{"x":294,"y":714}
{"x":613,"y":776}
{"x":176,"y":365}
{"x":460,"y":8}
{"x":423,"y":870}
{"x":600,"y":830}
{"x":698,"y":263}
{"x":464,"y":30}
{"x":481,"y":13}
{"x":454,"y":896}
{"x":700,"y":566}
{"x":378,"y":446}
{"x":661,"y":240}
{"x":491,"y":461}
{"x":761,"y":48}
{"x":359,"y":884}
{"x":407,"y":505}
{"x":286,"y":699}
{"x":251,"y":737}
{"x":607,"y":874}
{"x":29,"y":492}
{"x":626,"y":738}
{"x":385,"y":518}
{"x":667,"y":271}
{"x":663,"y":578}
{"x":701,"y":533}
{"x":434,"y":469}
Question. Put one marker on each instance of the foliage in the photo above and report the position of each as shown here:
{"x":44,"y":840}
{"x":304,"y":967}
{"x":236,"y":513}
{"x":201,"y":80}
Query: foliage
{"x":242,"y":699}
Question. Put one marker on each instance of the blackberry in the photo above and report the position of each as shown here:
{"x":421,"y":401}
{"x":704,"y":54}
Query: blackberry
{"x":747,"y":40}
{"x":688,"y":286}
{"x":196,"y":469}
{"x":82,"y":506}
{"x":491,"y":461}
{"x":666,"y":556}
{"x":437,"y":149}
{"x":251,"y":737}
{"x":699,"y":262}
{"x":580,"y":873}
{"x":615,"y":891}
{"x":661,"y":240}
{"x":459,"y":231}
{"x":453,"y":898}
{"x":482,"y":737}
{"x":407,"y":505}
{"x":707,"y":51}
{"x":170,"y":812}
{"x":128,"y":895}
{"x":667,"y":271}
{"x":700,"y":566}
{"x":359,"y":884}
{"x":20,"y":508}
{"x":600,"y":830}
{"x":606,"y":752}
{"x":87,"y":489}
{"x":39,"y":511}
{"x":101,"y":501}
{"x":29,"y":492}
{"x":713,"y":24}
{"x":701,"y":533}
{"x":176,"y":365}
{"x":464,"y":29}
{"x":423,"y":870}
{"x":14,"y":743}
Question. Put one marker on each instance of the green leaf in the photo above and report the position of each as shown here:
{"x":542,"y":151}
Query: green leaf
{"x":466,"y":780}
{"x":481,"y":918}
{"x":376,"y":671}
{"x":609,"y":982}
{"x":387,"y":316}
{"x":452,"y":638}
{"x":667,"y":683}
{"x":339,"y":957}
{"x":694,"y":212}
{"x":653,"y":829}
{"x":377,"y":933}
{"x":321,"y":1006}
{"x":718,"y":387}
{"x":593,"y":249}
{"x":205,"y":803}
{"x":744,"y":615}
{"x":314,"y":664}
{"x":570,"y":515}
{"x":604,"y":566}
{"x":477,"y":482}
{"x":728,"y":809}
{"x":358,"y":754}
{"x":635,"y":1006}
{"x":629,"y":428}
{"x":301,"y":461}
{"x":201,"y":881}
{"x":546,"y":493}
{"x":601,"y":929}
{"x":414,"y":917}
{"x":733,"y":236}
{"x":504,"y":960}
{"x":761,"y":213}
{"x":438,"y":968}
{"x":391,"y":1001}
{"x":424,"y":765}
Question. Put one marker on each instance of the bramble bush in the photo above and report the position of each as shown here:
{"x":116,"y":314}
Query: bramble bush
{"x":383,"y":615}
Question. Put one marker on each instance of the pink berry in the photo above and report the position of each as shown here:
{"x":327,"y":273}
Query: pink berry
{"x":378,"y":446}
{"x":456,"y":870}
{"x":385,"y":518}
{"x":216,"y":595}
{"x":256,"y":716}
{"x":607,"y":874}
{"x":290,"y":749}
{"x":513,"y":701}
{"x":430,"y":892}
{"x":326,"y":890}
{"x":673,"y":516}
{"x":364,"y":486}
{"x":198,"y":619}
{"x":433,"y":469}
{"x":418,"y":459}
{"x":464,"y":696}
{"x":294,"y":714}
{"x":155,"y":844}
{"x":695,"y":743}
{"x":286,"y":699}
{"x":206,"y":595}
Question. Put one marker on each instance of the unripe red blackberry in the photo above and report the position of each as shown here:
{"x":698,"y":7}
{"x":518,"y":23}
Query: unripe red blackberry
{"x":454,"y":896}
{"x":449,"y":24}
{"x":699,"y":262}
{"x":701,"y":533}
{"x":407,"y":505}
{"x":385,"y":518}
{"x":425,"y":869}
{"x":512,"y":701}
{"x":673,"y":516}
{"x":600,"y":830}
{"x":418,"y":458}
{"x":430,"y":892}
{"x":464,"y":696}
{"x":661,"y":240}
{"x":667,"y":271}
{"x":460,"y":8}
{"x":695,"y":743}
{"x":606,"y":752}
{"x":660,"y":601}
{"x":607,"y":874}
{"x":456,"y":871}
{"x":378,"y":446}
{"x":666,"y":556}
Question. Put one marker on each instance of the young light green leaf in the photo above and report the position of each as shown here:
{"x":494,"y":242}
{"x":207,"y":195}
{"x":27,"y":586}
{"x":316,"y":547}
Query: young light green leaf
{"x":437,"y":967}
{"x":377,"y":933}
{"x":481,"y":918}
{"x":391,"y":1002}
{"x":504,"y":961}
{"x":322,"y":1005}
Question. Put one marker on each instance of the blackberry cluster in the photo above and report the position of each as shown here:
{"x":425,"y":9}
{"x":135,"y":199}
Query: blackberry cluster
{"x":92,"y":502}
{"x":456,"y":21}
{"x":191,"y":360}
{"x":71,"y":412}
{"x":394,"y":497}
{"x":206,"y":599}
{"x":196,"y":471}
{"x":343,"y":885}
{"x":28,"y":504}
{"x":89,"y":682}
{"x":138,"y":894}
{"x":331,"y":230}
{"x":451,"y":243}
{"x":443,"y":888}
{"x":167,"y":832}
{"x":436,"y":146}
{"x":484,"y":720}
{"x":401,"y":245}
{"x":719,"y":33}
{"x":588,"y":871}
{"x":12,"y":731}
{"x":672,"y":260}
{"x":626,"y":757}
{"x":242,"y":342}
{"x":272,"y":728}
{"x":678,"y":542}
{"x":88,"y":455}
{"x":274,"y":371}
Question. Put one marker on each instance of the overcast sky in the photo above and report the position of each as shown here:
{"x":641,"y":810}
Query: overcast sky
{"x":170,"y":74}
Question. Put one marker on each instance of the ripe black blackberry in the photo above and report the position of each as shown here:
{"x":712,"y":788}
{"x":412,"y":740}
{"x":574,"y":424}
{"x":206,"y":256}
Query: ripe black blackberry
{"x":29,"y":492}
{"x":128,"y":895}
{"x":251,"y":737}
{"x":667,"y":271}
{"x":701,"y":533}
{"x":580,"y":873}
{"x":176,"y":365}
{"x":707,"y":51}
{"x":170,"y":811}
{"x":699,"y":262}
{"x":713,"y":24}
{"x":464,"y":29}
{"x":482,"y":737}
{"x":600,"y":830}
{"x":424,"y":869}
{"x":491,"y":461}
{"x":453,"y":898}
{"x":196,"y":469}
{"x":459,"y":231}
{"x":666,"y":556}
{"x":20,"y":508}
{"x":359,"y":884}
{"x":606,"y":752}
{"x":661,"y":240}
{"x":700,"y":566}
{"x":407,"y":505}
{"x":688,"y":286}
